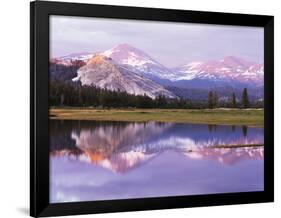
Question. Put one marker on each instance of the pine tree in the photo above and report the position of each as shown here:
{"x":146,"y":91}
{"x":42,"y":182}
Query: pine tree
{"x":161,"y":101}
{"x":234,"y":104}
{"x":61,"y":99}
{"x":245,"y":99}
{"x":216,"y":100}
{"x":211,"y":100}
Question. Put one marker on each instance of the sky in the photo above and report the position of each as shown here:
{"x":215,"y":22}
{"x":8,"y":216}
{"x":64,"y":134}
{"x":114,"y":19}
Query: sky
{"x":170,"y":43}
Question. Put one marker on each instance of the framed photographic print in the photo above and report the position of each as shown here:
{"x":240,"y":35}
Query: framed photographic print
{"x":141,"y":109}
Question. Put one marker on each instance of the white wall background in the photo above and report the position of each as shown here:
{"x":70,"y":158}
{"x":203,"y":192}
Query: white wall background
{"x":14,"y":100}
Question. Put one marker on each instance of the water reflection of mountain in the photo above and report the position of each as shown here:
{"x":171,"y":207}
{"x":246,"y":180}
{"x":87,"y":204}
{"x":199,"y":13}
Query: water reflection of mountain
{"x":106,"y":138}
{"x":120,"y":146}
{"x":228,"y":156}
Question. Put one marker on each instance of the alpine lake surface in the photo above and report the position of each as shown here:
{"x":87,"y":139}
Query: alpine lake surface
{"x":103,"y":160}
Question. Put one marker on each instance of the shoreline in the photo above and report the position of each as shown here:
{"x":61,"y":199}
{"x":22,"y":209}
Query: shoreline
{"x":238,"y":146}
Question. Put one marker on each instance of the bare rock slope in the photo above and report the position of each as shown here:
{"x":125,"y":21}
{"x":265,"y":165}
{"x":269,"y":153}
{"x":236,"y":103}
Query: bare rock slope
{"x":103,"y":72}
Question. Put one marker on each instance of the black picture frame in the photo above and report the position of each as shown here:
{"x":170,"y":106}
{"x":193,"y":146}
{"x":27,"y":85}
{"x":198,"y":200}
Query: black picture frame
{"x":39,"y":133}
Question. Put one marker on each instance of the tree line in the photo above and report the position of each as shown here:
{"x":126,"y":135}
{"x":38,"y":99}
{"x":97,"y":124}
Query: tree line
{"x":68,"y":93}
{"x":213,"y":101}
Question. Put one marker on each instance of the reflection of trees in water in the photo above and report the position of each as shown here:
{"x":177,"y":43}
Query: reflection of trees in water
{"x":245,"y":130}
{"x":212,"y":127}
{"x":60,"y":132}
{"x":124,"y":145}
{"x":106,"y":137}
{"x":101,"y":138}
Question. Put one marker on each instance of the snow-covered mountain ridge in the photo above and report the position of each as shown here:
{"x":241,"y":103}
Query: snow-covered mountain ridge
{"x":228,"y":69}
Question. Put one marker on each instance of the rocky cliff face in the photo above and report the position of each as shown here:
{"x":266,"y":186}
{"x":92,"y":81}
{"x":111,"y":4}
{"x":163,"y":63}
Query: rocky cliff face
{"x":103,"y":72}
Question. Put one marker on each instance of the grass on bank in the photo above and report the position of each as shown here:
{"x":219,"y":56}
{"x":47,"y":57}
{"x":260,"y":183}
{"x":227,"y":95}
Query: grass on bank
{"x":249,"y":117}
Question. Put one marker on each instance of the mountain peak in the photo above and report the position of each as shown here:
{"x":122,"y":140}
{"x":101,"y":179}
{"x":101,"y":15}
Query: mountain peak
{"x":99,"y":59}
{"x":106,"y":73}
{"x":234,"y":61}
{"x":75,"y":54}
{"x":229,"y":69}
{"x":138,"y":60}
{"x":125,"y":50}
{"x":232,"y":57}
{"x":124,"y":45}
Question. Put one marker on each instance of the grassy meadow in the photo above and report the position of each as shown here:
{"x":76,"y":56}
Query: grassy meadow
{"x":249,"y":117}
